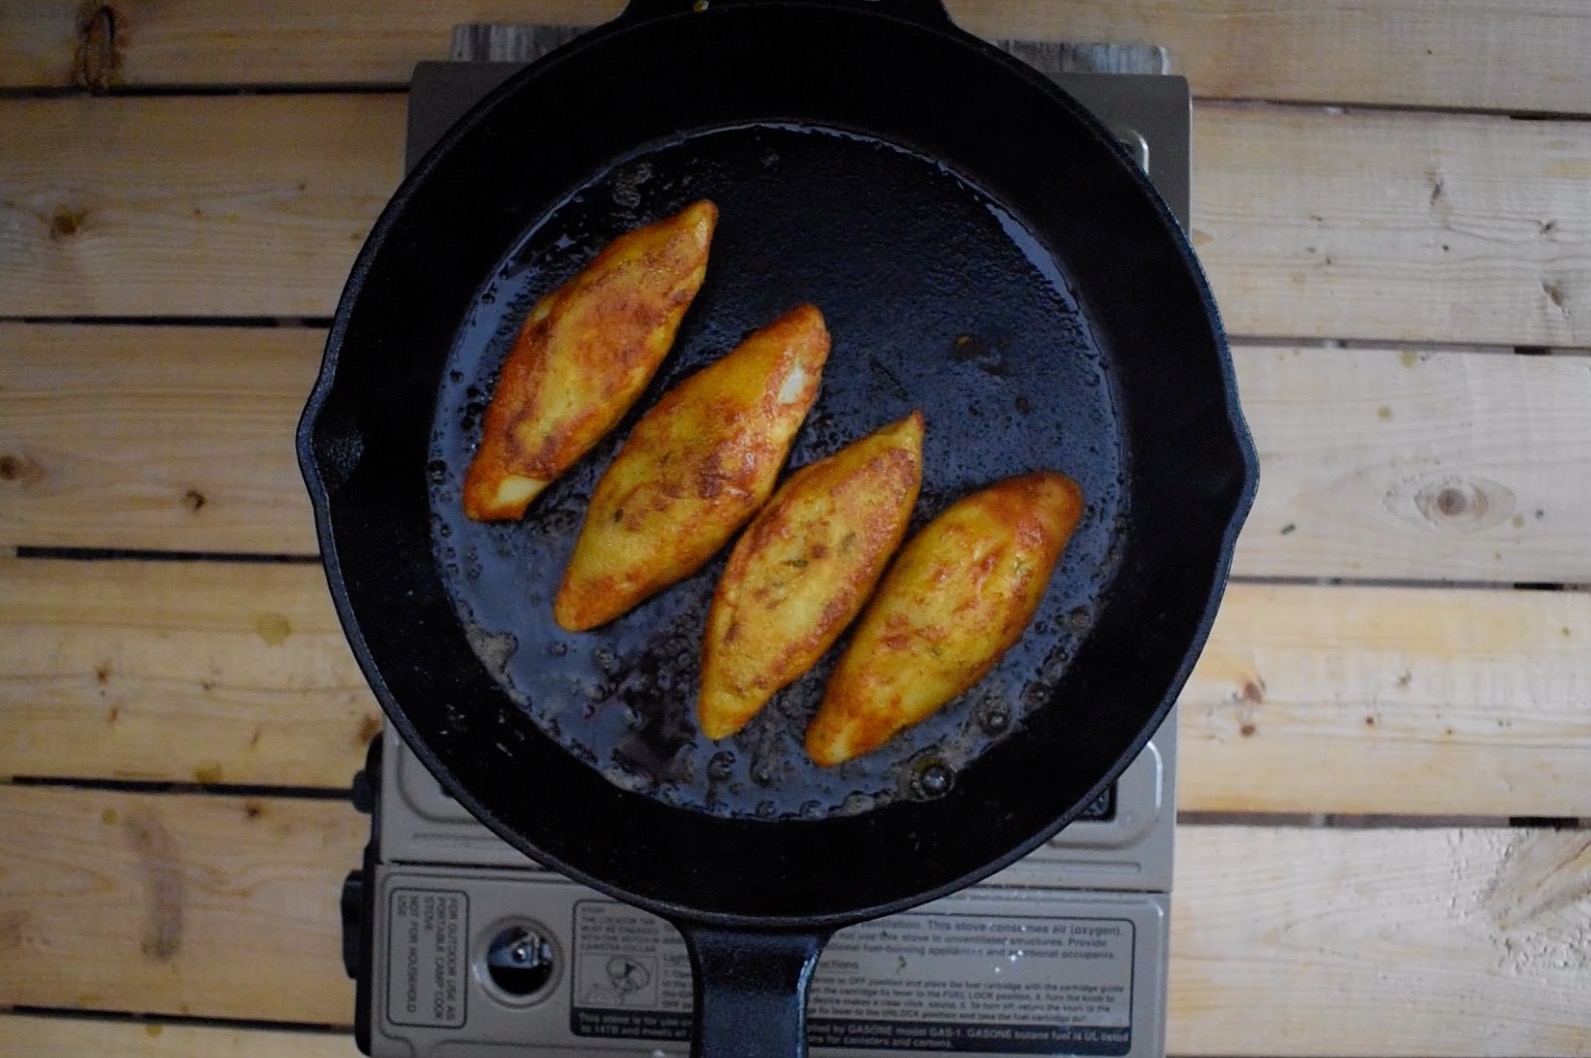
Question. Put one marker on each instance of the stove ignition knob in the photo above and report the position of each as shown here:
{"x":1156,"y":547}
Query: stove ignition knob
{"x":521,"y":961}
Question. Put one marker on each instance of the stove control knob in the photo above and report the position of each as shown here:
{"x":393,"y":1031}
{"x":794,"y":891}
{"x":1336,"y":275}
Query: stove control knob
{"x":521,"y":961}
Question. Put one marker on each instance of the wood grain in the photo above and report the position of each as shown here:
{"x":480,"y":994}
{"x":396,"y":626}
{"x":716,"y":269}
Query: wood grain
{"x":159,"y":438}
{"x":205,"y":672}
{"x":1394,"y":226}
{"x":1376,"y":463}
{"x":40,"y":1036}
{"x":1405,"y":464}
{"x":1474,"y":54}
{"x":171,"y":206}
{"x":1438,"y":942}
{"x":1347,"y":700}
{"x":1390,"y":701}
{"x":1443,"y":942}
{"x":189,"y":905}
{"x":1379,"y":226}
{"x":1478,"y":54}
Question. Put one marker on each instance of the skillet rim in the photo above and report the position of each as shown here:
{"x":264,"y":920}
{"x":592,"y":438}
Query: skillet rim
{"x":322,"y":500}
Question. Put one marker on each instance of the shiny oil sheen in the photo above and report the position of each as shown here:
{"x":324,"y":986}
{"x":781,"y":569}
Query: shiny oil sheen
{"x":1006,"y":385}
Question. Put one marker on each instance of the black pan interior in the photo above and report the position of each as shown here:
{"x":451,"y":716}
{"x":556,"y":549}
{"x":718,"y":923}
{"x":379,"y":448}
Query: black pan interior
{"x":937,"y":299}
{"x":1042,"y":247}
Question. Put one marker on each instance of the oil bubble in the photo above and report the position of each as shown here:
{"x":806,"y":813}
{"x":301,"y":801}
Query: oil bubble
{"x":720,"y":766}
{"x":994,"y":718}
{"x":933,"y":779}
{"x":857,"y":803}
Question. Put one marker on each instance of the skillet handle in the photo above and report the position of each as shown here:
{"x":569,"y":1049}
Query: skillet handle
{"x":927,"y":12}
{"x":751,"y":991}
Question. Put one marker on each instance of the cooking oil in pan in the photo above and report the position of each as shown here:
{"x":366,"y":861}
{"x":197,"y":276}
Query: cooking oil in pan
{"x":936,"y":298}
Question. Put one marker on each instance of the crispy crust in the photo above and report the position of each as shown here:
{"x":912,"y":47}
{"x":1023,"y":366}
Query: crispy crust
{"x":582,"y":358}
{"x":803,"y":570}
{"x":959,"y":596}
{"x":695,"y":469}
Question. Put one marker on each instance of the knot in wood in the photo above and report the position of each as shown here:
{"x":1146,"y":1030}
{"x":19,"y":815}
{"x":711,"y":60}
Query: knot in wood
{"x":1461,"y":504}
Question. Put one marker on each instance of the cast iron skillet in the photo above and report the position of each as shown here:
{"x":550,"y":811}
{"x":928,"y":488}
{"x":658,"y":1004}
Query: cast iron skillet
{"x":982,"y":250}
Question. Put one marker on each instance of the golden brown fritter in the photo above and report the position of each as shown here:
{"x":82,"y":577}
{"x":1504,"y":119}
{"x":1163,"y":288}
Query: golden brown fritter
{"x":696,"y":468}
{"x":959,"y":596}
{"x":803,"y":569}
{"x":583,"y":356}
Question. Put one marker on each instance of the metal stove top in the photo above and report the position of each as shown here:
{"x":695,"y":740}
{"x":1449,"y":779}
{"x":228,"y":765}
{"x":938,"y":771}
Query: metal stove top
{"x":461,"y":946}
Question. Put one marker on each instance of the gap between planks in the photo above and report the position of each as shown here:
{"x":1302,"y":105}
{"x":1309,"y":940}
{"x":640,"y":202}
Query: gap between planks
{"x":1305,"y":699}
{"x":1383,"y":226}
{"x":1377,"y":464}
{"x":1448,"y":942}
{"x":40,"y":1035}
{"x":1512,"y":56}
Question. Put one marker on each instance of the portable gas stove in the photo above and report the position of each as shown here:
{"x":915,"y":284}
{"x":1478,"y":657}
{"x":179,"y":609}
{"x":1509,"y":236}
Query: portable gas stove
{"x":461,"y":946}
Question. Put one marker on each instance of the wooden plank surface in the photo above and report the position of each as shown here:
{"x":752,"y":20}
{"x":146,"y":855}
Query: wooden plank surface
{"x":1348,"y":700}
{"x":1443,"y":942}
{"x":1520,"y":56}
{"x":162,"y":438}
{"x":1390,"y":701}
{"x":1382,"y":226}
{"x":37,"y":1035}
{"x":1416,"y":465}
{"x":172,"y":206}
{"x":1398,"y":229}
{"x":1394,"y":226}
{"x":1383,"y":942}
{"x":188,"y":905}
{"x":205,"y":672}
{"x":1376,"y":463}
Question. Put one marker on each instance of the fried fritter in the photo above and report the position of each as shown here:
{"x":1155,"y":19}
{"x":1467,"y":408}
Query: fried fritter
{"x":583,"y":356}
{"x":695,"y":469}
{"x":803,"y":569}
{"x":958,"y":597}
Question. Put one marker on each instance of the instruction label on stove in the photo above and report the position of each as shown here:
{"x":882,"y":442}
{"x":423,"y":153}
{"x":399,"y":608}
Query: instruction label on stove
{"x":919,"y":981}
{"x":427,"y":930}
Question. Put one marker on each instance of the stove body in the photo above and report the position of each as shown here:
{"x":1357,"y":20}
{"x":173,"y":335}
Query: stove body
{"x":463,"y":947}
